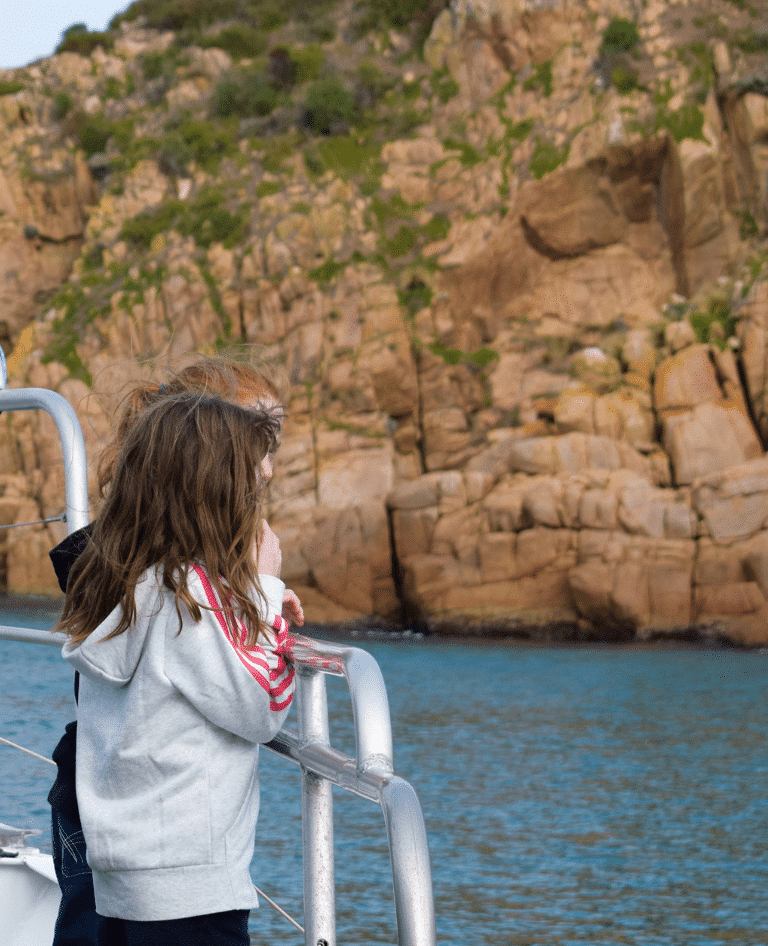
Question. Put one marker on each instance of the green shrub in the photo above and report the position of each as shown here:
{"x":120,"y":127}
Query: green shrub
{"x":467,"y":154}
{"x":239,"y":40}
{"x":10,"y":88}
{"x":272,"y":17}
{"x":624,"y":80}
{"x":202,"y":141}
{"x":324,"y":273}
{"x":444,"y":86}
{"x":748,"y":226}
{"x":152,"y":65}
{"x":77,"y":39}
{"x":112,"y":88}
{"x":416,"y":296}
{"x":328,"y":106}
{"x":205,"y":219}
{"x":177,"y":14}
{"x":750,"y":42}
{"x":520,"y":130}
{"x":308,"y":60}
{"x":94,"y":131}
{"x":268,"y":188}
{"x":62,"y":103}
{"x":620,"y":36}
{"x":400,"y":14}
{"x":346,"y":156}
{"x":245,"y":94}
{"x":541,"y":79}
{"x":208,"y":222}
{"x":686,"y":122}
{"x":546,"y":157}
{"x":438,"y":227}
{"x":402,"y":242}
{"x":718,"y":312}
{"x":139,"y":231}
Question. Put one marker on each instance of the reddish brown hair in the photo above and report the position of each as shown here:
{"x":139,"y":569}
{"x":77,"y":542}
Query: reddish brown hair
{"x":239,"y":380}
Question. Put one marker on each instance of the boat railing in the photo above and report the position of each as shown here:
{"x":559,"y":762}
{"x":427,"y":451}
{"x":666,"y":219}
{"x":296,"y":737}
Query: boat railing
{"x":369,"y":774}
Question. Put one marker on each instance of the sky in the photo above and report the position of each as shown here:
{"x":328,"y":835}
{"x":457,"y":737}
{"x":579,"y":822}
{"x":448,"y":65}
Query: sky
{"x":30,"y":31}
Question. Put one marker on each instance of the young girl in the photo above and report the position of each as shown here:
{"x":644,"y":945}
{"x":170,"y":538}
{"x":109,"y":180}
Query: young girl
{"x":173,"y":616}
{"x":245,"y":382}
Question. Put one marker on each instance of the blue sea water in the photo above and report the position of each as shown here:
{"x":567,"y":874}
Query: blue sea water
{"x":572,"y":796}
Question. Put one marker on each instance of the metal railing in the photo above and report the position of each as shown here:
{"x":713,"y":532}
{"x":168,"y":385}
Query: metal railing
{"x":369,"y":774}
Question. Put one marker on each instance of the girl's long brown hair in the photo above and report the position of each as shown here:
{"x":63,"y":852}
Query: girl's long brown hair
{"x":185,"y":488}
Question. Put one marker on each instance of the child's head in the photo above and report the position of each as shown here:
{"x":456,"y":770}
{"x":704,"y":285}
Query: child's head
{"x":239,"y":380}
{"x":186,"y":487}
{"x":190,"y":466}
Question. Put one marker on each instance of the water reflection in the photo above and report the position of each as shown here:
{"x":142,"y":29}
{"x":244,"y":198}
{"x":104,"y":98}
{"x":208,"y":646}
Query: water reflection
{"x":571,"y":796}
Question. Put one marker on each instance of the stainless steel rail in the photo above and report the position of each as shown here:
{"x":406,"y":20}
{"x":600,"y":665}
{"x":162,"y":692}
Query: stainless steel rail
{"x":369,"y":774}
{"x":72,"y":444}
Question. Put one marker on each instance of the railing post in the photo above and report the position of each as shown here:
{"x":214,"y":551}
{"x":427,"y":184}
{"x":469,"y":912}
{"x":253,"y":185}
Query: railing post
{"x":316,"y":816}
{"x":411,"y":872}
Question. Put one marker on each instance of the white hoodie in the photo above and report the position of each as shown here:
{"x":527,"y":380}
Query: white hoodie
{"x":169,"y":722}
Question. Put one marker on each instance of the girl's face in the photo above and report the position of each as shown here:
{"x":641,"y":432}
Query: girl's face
{"x":266,"y":467}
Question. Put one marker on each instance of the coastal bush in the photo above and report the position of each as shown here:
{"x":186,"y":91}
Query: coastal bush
{"x":541,"y":79}
{"x":620,"y":36}
{"x":546,"y":157}
{"x":416,"y":296}
{"x":686,"y":122}
{"x":438,"y":228}
{"x":718,"y":313}
{"x":201,"y":141}
{"x":749,"y":42}
{"x":77,"y":39}
{"x":176,"y":14}
{"x":272,"y":17}
{"x":328,"y":107}
{"x":349,"y":157}
{"x":246,"y":94}
{"x":10,"y":87}
{"x":152,"y":65}
{"x":206,"y":219}
{"x":624,"y":80}
{"x":444,"y":86}
{"x":468,"y":155}
{"x":62,"y":103}
{"x":402,"y":242}
{"x":239,"y":40}
{"x":417,"y":16}
{"x":93,"y":132}
{"x":307,"y":61}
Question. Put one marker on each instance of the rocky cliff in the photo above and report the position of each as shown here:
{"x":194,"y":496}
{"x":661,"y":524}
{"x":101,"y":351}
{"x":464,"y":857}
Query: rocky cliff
{"x":511,"y":254}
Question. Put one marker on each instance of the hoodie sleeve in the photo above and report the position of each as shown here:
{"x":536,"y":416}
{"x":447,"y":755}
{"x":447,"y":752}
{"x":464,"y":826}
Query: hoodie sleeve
{"x":245,"y":690}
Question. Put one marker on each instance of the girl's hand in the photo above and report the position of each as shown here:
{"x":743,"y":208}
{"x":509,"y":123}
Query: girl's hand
{"x":268,"y":555}
{"x":292,"y":609}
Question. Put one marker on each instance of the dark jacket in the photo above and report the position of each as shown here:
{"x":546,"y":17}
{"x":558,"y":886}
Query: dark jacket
{"x":62,"y":796}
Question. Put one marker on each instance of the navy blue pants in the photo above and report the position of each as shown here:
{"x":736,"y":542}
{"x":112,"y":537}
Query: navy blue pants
{"x":212,"y":929}
{"x":78,"y":923}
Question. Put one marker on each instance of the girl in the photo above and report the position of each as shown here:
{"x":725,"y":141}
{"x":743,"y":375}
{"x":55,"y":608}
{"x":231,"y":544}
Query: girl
{"x":244,"y":382}
{"x":173,"y":617}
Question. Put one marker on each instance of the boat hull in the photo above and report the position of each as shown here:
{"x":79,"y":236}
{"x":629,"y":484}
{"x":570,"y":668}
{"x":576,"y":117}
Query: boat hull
{"x":29,"y":899}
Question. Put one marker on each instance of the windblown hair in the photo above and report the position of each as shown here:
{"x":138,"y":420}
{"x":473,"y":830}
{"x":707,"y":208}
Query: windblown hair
{"x":186,"y":488}
{"x":239,"y":379}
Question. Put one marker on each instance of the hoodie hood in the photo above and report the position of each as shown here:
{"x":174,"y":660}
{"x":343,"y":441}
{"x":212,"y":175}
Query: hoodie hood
{"x":114,"y":661}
